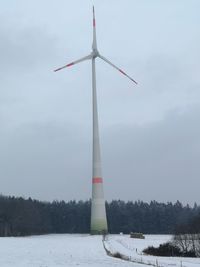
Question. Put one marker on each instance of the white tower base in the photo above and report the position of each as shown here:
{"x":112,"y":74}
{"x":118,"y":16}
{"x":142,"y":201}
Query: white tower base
{"x":98,"y":211}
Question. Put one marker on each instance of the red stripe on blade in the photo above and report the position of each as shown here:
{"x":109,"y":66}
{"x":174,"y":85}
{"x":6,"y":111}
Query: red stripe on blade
{"x":97,"y":180}
{"x":94,"y":23}
{"x":70,"y":64}
{"x":122,"y":72}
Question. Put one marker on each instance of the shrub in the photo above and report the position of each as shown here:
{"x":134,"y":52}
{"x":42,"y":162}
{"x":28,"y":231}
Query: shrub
{"x":166,"y":249}
{"x":117,"y":255}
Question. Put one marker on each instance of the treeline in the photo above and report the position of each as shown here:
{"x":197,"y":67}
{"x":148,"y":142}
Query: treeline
{"x":148,"y":218}
{"x":19,"y":216}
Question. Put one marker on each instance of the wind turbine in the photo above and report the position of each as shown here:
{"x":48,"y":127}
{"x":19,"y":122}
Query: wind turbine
{"x":98,"y":211}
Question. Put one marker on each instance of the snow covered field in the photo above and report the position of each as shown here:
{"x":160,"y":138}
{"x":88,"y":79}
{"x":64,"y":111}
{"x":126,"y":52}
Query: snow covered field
{"x":132,"y":248}
{"x":56,"y":250}
{"x":78,"y":250}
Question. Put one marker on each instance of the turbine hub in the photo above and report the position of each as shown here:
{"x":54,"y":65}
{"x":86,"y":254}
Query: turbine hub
{"x":95,"y":53}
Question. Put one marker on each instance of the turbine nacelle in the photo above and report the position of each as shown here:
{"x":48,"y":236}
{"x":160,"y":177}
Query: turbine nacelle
{"x":95,"y":53}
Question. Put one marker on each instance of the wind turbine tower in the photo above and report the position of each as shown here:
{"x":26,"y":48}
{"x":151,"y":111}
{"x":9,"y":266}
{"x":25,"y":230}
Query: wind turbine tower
{"x":98,"y":211}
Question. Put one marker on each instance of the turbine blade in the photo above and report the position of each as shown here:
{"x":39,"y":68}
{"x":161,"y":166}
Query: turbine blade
{"x":75,"y":62}
{"x":110,"y":63}
{"x":94,"y":44}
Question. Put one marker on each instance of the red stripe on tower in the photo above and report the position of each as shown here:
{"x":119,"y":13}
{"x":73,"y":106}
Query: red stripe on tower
{"x":97,"y":180}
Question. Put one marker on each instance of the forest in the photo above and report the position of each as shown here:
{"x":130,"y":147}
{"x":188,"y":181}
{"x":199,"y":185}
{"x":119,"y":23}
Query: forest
{"x":21,"y":217}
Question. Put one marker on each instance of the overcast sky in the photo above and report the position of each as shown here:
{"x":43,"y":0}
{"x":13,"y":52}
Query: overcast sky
{"x":150,"y":133}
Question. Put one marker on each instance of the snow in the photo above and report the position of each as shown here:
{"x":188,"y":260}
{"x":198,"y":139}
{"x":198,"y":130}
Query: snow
{"x":56,"y":250}
{"x":132,"y":249}
{"x":83,"y":250}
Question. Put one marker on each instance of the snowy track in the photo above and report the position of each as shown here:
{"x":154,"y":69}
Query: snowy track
{"x":56,"y":250}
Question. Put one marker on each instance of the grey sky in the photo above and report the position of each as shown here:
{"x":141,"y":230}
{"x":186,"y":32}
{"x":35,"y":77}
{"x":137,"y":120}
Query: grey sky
{"x":150,"y":133}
